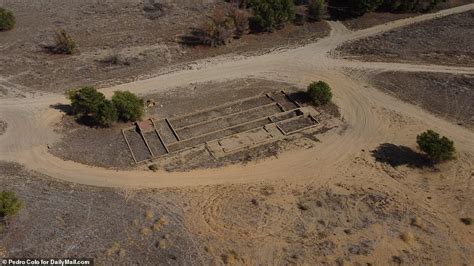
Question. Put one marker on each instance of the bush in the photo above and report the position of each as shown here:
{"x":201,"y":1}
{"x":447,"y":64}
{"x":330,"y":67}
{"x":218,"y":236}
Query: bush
{"x":316,"y":9}
{"x":218,"y":29}
{"x":241,"y":22}
{"x":85,"y":101}
{"x":106,"y":114}
{"x":9,"y":204}
{"x":270,"y":14}
{"x":129,"y":106}
{"x":153,"y":167}
{"x":64,"y":44}
{"x":437,"y":148}
{"x":320,"y":92}
{"x":7,"y":20}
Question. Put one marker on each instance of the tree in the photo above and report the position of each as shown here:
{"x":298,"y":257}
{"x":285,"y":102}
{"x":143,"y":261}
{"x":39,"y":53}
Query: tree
{"x":270,"y":14}
{"x":320,"y":92}
{"x":85,"y":101}
{"x":106,"y":114}
{"x":436,"y":147}
{"x":7,"y":20}
{"x":129,"y":106}
{"x":9,"y":204}
{"x":316,"y":9}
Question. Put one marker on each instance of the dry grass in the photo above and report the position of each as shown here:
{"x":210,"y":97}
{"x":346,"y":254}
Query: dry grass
{"x":149,"y":215}
{"x":416,"y":221}
{"x":407,"y":237}
{"x":160,"y":223}
{"x":163,"y":244}
{"x":145,"y":231}
{"x":114,"y":249}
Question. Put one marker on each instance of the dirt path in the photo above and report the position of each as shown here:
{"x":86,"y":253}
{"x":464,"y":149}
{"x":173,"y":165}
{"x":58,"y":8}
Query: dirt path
{"x":372,"y":116}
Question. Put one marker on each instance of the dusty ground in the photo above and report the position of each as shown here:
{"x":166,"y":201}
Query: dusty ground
{"x":448,"y":41}
{"x":144,"y":39}
{"x":376,"y":18}
{"x":111,"y":225}
{"x":107,"y":148}
{"x":364,"y":195}
{"x":395,"y":214}
{"x":355,"y":217}
{"x":448,"y":96}
{"x":3,"y":126}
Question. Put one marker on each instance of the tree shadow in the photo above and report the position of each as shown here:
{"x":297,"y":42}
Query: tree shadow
{"x":339,"y":10}
{"x":67,"y":109}
{"x":194,"y":38}
{"x":300,"y":96}
{"x":400,"y":155}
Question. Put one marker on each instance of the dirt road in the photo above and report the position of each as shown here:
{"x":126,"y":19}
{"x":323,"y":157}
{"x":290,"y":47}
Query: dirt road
{"x":372,"y":116}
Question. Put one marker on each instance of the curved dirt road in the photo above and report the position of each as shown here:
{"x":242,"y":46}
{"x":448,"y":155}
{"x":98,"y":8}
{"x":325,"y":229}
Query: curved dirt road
{"x":372,"y":117}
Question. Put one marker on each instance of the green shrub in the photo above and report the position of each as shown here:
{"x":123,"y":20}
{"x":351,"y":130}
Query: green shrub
{"x":218,"y":29}
{"x":153,"y":167}
{"x":360,"y":7}
{"x":7,"y":20}
{"x":85,"y":101}
{"x":129,"y":106}
{"x":9,"y":204}
{"x":64,"y":44}
{"x":106,"y":114}
{"x":316,"y":9}
{"x":270,"y":14}
{"x":320,"y":92}
{"x":436,"y":147}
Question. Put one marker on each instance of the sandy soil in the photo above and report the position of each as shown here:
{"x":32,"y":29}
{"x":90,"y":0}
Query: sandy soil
{"x":357,"y":101}
{"x":145,"y":41}
{"x":93,"y":146}
{"x":447,"y":40}
{"x":389,"y":216}
{"x":447,"y":95}
{"x":107,"y":148}
{"x":347,"y":199}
